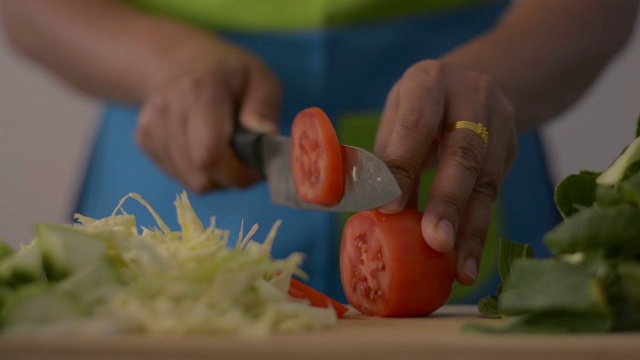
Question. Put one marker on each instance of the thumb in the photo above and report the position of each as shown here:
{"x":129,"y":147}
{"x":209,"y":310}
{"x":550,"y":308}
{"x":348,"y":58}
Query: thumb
{"x":260,"y":104}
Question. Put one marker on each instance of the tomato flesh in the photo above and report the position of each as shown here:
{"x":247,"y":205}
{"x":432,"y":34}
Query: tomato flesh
{"x":388,"y":270}
{"x":316,"y":158}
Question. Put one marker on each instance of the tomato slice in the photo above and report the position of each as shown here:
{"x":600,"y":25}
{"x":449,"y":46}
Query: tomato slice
{"x":316,"y":158}
{"x":388,"y":270}
{"x":300,"y":290}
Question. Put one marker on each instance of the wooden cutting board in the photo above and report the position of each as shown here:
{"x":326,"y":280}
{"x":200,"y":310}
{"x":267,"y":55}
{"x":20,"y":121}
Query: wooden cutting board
{"x":439,"y":336}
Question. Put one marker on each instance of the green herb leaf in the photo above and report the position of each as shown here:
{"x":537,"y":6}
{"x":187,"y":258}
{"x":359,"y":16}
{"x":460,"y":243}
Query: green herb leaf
{"x":608,"y":195}
{"x":575,"y":192}
{"x":615,"y":230}
{"x":5,"y":249}
{"x":627,"y":300}
{"x":629,"y":189}
{"x":508,"y":252}
{"x":488,"y":306}
{"x":551,"y":285}
{"x":555,"y":322}
{"x":622,"y":166}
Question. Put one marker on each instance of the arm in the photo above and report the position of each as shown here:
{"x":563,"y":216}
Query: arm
{"x":191,"y":85}
{"x":539,"y":59}
{"x":100,"y":47}
{"x":546,"y":53}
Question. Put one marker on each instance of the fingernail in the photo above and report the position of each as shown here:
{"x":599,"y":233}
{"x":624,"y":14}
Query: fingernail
{"x":445,"y":232}
{"x":391,"y":207}
{"x":265,"y":127}
{"x":470,"y":268}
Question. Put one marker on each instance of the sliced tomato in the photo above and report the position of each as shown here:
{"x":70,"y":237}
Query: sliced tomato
{"x":316,"y":158}
{"x":388,"y":270}
{"x":300,"y":290}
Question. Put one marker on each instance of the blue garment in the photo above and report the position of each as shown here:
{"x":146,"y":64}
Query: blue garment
{"x":343,"y":70}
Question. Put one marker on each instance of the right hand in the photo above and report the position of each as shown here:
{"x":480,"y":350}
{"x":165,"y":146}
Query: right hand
{"x":193,"y":101}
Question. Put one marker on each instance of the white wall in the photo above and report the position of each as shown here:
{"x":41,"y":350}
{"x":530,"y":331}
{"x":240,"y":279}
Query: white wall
{"x":592,"y":133}
{"x":45,"y":131}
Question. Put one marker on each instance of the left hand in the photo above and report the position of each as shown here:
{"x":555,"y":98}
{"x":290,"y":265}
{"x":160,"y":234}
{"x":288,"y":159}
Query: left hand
{"x":430,"y":97}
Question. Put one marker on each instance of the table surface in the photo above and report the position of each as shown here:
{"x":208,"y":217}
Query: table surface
{"x":438,"y":336}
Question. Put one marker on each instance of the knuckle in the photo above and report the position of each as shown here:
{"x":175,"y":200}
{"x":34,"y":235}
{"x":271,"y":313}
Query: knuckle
{"x":187,"y":85}
{"x":507,"y":110}
{"x":204,"y":159}
{"x":200,"y":184}
{"x":144,"y":130}
{"x":404,"y":171}
{"x":487,"y":187}
{"x":412,"y":122}
{"x":451,"y":201}
{"x":475,"y":239}
{"x":486,"y":89}
{"x":427,"y":72}
{"x":466,"y":156}
{"x":430,"y":69}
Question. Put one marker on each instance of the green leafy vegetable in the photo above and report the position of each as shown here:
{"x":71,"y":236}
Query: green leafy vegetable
{"x":614,"y":229}
{"x":621,"y":167}
{"x":592,"y":283}
{"x":575,"y":192}
{"x":106,"y":276}
{"x":5,"y":249}
{"x":529,"y":284}
{"x":508,"y":252}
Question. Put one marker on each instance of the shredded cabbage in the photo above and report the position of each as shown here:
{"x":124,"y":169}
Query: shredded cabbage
{"x":179,"y":282}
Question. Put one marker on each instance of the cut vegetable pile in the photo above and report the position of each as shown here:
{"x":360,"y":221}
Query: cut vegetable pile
{"x":592,"y":283}
{"x":104,"y":276}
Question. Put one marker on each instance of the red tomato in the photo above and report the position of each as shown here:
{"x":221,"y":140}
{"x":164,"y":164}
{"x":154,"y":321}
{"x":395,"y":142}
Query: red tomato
{"x":316,"y":158}
{"x":387,"y":269}
{"x":300,"y":290}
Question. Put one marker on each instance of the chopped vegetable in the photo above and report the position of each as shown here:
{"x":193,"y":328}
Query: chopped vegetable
{"x":303,"y":291}
{"x":592,"y":282}
{"x":316,"y":158}
{"x":388,"y":270}
{"x":106,"y":276}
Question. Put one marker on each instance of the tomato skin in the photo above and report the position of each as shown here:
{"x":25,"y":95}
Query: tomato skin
{"x":388,"y":270}
{"x":316,"y":158}
{"x":300,"y":290}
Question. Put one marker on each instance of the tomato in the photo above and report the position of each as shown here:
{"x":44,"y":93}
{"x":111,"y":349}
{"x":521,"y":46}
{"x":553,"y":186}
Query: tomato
{"x":316,"y":158}
{"x":388,"y":270}
{"x":300,"y":290}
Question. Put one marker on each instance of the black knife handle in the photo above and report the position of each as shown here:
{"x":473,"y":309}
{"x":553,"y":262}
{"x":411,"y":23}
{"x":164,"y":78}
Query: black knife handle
{"x":248,"y":146}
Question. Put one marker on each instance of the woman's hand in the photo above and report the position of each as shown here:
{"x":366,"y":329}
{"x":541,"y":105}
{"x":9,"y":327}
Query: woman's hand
{"x":201,"y":90}
{"x":429,"y":98}
{"x":192,"y":86}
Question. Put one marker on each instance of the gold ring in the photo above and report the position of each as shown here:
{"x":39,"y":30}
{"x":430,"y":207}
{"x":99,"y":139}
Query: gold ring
{"x":477,"y":128}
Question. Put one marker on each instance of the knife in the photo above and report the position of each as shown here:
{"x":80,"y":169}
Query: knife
{"x":368,"y":183}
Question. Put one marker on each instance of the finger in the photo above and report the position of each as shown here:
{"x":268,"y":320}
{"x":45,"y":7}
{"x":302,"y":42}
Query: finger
{"x":194,"y":178}
{"x":476,"y":218}
{"x":260,"y":104}
{"x":474,"y":227}
{"x":150,"y":133}
{"x":387,"y":119}
{"x":209,"y":133}
{"x":420,"y":108}
{"x":462,"y":156}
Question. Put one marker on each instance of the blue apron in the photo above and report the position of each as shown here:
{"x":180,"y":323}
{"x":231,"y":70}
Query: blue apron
{"x":344,"y":70}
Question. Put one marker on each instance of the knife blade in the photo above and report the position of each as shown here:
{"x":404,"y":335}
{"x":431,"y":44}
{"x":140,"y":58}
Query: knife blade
{"x":368,"y":183}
